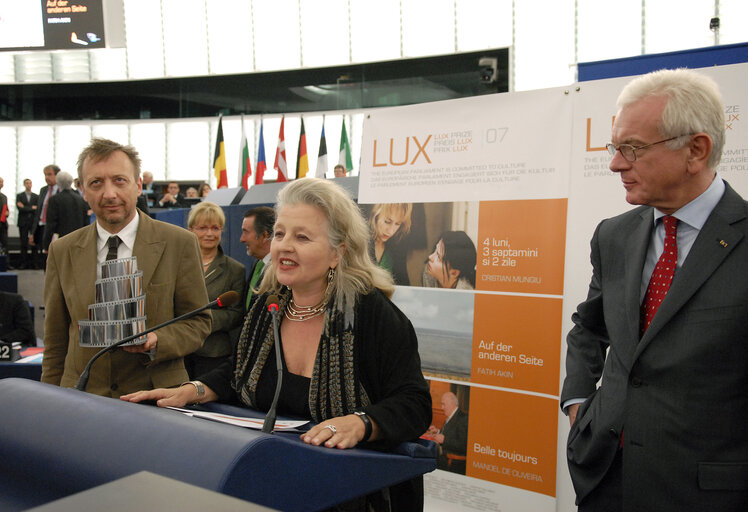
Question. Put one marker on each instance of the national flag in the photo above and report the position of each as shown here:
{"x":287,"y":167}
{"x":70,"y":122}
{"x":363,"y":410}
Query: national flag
{"x":321,"y":171}
{"x":345,"y":151}
{"x":261,"y":166}
{"x":219,"y":158}
{"x":280,"y":155}
{"x":245,"y":164}
{"x":302,"y":162}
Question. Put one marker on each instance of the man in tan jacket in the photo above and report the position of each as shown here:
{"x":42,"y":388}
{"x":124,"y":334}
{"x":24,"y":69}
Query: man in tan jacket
{"x":172,"y":280}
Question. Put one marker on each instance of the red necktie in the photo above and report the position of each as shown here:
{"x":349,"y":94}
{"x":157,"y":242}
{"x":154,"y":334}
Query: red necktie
{"x":50,"y":193}
{"x":662,"y":277}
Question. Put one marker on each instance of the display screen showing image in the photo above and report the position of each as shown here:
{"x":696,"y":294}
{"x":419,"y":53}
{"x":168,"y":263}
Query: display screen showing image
{"x":51,"y":25}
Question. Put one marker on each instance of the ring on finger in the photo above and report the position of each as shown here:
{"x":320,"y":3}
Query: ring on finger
{"x":332,"y":429}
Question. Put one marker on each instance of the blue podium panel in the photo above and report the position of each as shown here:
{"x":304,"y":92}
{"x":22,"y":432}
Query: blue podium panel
{"x":9,"y":282}
{"x":56,"y":442}
{"x":31,"y":371}
{"x":176,"y":216}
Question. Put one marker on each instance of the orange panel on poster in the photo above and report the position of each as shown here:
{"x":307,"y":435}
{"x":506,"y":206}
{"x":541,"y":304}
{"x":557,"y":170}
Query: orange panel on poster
{"x":521,"y":246}
{"x":512,"y":440}
{"x":516,"y":342}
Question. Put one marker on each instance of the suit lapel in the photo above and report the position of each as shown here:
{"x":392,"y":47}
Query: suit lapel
{"x":214,"y":273}
{"x":83,"y":263}
{"x":148,"y":249}
{"x":715,"y":242}
{"x":637,"y":242}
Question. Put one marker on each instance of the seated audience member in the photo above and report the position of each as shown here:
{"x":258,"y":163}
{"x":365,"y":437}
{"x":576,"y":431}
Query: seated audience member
{"x":66,"y":210}
{"x":222,"y":274}
{"x":148,"y":194}
{"x":350,"y":356}
{"x":203,"y":190}
{"x":173,"y":198}
{"x":15,"y":320}
{"x":191,"y":193}
{"x":452,"y":264}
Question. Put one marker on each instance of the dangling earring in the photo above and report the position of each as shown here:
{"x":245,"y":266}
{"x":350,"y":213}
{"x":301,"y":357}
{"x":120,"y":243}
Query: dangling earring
{"x":330,"y":279}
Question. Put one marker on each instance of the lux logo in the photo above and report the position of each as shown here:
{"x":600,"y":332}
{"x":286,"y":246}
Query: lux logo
{"x":589,"y":135}
{"x":421,"y":150}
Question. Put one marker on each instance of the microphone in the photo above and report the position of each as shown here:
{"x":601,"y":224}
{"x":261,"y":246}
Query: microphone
{"x":272,"y":304}
{"x":225,"y":300}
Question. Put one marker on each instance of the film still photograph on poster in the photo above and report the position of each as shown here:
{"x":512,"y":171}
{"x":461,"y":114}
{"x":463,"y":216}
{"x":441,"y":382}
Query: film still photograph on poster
{"x":425,"y":244}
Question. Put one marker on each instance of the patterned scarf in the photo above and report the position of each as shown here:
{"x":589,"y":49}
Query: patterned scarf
{"x":335,"y":388}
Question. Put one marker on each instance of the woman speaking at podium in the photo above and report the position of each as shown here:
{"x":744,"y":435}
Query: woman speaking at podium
{"x":350,"y":356}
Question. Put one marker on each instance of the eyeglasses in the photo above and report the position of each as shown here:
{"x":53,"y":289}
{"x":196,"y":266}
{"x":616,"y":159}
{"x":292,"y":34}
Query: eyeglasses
{"x":203,"y":229}
{"x":628,"y":151}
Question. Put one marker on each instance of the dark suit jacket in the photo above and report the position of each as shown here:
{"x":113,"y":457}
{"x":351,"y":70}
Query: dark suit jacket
{"x":66,"y":212}
{"x":223,"y":274}
{"x":180,"y":202}
{"x":39,"y":207}
{"x":15,"y":320}
{"x":455,"y":442}
{"x":4,"y":205}
{"x":25,"y":212}
{"x":173,"y":282}
{"x":680,"y":394}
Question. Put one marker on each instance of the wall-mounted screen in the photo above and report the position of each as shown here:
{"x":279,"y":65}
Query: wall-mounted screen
{"x":51,"y":24}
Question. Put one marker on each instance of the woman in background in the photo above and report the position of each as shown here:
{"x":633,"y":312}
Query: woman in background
{"x":389,"y":223}
{"x":203,"y":190}
{"x":452,"y":264}
{"x":222,"y":274}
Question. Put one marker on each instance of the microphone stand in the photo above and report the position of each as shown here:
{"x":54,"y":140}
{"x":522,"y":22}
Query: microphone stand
{"x":221,"y":301}
{"x":269,"y":424}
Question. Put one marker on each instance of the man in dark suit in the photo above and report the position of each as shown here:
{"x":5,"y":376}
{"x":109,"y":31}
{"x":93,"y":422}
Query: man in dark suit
{"x":452,"y":437}
{"x":67,"y":210}
{"x":26,"y":202}
{"x":173,"y":197}
{"x":36,"y":236}
{"x":15,"y":320}
{"x":257,"y":232}
{"x":172,"y":280}
{"x":3,"y":220}
{"x":666,"y":428}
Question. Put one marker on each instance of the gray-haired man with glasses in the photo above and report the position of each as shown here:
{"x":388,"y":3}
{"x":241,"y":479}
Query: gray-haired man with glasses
{"x":657,"y":363}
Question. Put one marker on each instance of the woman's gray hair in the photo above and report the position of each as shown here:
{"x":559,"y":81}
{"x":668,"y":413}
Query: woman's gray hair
{"x":348,"y":233}
{"x":694,"y":105}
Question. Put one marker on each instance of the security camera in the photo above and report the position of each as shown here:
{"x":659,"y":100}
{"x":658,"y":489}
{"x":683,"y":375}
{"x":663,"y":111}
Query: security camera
{"x":489,"y":69}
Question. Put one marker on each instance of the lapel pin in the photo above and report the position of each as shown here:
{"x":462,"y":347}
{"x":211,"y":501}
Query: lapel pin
{"x":723,"y":243}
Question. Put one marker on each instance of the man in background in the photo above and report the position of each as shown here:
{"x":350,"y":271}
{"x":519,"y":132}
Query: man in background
{"x":26,"y":202}
{"x":172,"y":280}
{"x":148,"y":195}
{"x":257,"y":232}
{"x":67,"y":210}
{"x":665,"y":322}
{"x":173,"y":197}
{"x":3,"y":220}
{"x":340,"y":171}
{"x":36,"y":237}
{"x":15,"y":320}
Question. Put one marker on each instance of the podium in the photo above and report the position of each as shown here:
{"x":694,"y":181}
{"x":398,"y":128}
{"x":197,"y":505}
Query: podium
{"x":55,"y":442}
